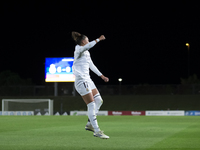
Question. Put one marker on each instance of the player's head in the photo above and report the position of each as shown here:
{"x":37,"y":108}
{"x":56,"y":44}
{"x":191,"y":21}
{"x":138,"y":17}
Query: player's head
{"x":80,"y":39}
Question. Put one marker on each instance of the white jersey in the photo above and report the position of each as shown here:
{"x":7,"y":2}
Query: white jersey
{"x":83,"y":61}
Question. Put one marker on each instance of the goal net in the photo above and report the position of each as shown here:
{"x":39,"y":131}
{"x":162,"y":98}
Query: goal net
{"x":38,"y":106}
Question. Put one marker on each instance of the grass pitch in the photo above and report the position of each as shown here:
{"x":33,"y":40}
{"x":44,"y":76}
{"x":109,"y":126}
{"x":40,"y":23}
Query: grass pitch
{"x":126,"y":133}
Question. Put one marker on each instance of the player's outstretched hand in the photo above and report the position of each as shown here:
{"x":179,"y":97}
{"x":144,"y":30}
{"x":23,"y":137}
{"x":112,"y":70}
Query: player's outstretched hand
{"x":104,"y":78}
{"x":102,"y":37}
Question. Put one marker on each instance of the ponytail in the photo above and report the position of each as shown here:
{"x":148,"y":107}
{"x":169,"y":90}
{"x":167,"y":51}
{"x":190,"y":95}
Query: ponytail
{"x":77,"y":37}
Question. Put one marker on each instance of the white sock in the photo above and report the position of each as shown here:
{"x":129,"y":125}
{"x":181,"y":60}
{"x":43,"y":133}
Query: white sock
{"x":98,"y":101}
{"x":92,"y":116}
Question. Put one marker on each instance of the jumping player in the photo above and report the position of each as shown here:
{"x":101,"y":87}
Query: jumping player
{"x":83,"y":83}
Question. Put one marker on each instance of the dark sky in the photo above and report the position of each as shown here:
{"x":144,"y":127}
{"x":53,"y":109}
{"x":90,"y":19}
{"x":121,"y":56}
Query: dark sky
{"x":145,"y":42}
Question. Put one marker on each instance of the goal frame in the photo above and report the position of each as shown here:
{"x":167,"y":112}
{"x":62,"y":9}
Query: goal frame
{"x":50,"y":103}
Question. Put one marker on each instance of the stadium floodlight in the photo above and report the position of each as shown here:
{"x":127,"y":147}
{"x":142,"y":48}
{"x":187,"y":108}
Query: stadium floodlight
{"x":120,"y":79}
{"x":120,"y":90}
{"x":44,"y":106}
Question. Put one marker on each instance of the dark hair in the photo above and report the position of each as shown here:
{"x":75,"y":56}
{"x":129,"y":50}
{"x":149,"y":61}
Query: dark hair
{"x":77,"y":37}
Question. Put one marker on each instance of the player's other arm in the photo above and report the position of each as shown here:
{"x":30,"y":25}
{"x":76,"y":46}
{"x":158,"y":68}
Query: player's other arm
{"x":96,"y":71}
{"x":106,"y":79}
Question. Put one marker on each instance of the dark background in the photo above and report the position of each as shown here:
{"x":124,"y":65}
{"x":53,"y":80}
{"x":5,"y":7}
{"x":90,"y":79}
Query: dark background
{"x":145,"y":42}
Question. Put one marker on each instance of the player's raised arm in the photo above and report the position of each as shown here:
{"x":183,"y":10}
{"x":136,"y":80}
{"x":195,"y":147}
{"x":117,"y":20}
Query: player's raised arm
{"x":83,"y":41}
{"x":87,"y":45}
{"x":102,"y":37}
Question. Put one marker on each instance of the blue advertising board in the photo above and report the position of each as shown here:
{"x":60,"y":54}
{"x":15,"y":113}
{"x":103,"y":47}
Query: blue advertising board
{"x":192,"y":113}
{"x":59,"y":69}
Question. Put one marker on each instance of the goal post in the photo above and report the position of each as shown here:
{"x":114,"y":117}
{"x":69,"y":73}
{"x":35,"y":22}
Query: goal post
{"x":42,"y":106}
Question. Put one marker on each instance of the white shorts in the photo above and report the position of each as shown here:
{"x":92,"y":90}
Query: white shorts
{"x":84,"y":87}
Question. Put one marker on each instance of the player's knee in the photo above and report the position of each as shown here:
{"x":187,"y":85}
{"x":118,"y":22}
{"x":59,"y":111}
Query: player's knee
{"x":98,"y":98}
{"x":101,"y":100}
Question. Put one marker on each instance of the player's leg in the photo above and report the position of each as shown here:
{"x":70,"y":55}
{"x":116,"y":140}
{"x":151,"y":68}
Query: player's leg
{"x":85,"y":90}
{"x":92,"y":116}
{"x":97,"y":99}
{"x":88,"y":99}
{"x":98,"y":102}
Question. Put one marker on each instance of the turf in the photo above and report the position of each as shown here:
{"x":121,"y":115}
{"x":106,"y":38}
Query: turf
{"x":126,"y":133}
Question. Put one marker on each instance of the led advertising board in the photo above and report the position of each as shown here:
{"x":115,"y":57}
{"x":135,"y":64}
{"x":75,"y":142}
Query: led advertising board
{"x":59,"y":69}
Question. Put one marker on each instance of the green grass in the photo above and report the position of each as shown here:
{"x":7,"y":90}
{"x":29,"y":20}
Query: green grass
{"x":126,"y":133}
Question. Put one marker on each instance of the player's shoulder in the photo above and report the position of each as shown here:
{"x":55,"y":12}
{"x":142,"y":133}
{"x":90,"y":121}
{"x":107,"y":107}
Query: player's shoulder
{"x":78,"y":48}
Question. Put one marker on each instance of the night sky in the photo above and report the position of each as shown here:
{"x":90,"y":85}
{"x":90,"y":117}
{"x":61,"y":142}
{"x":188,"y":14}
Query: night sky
{"x":145,"y":42}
